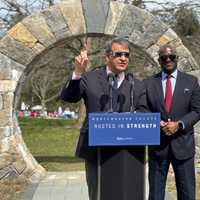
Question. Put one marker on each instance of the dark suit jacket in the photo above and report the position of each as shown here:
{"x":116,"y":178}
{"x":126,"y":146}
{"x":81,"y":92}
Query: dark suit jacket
{"x":93,"y":87}
{"x":185,"y":107}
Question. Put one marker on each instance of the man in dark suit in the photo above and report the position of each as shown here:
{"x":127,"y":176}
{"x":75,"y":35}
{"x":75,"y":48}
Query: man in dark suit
{"x":93,"y":87}
{"x":176,"y":95}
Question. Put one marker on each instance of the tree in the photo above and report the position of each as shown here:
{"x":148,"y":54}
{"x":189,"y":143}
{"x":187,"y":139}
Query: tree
{"x":187,"y":27}
{"x":138,"y":3}
{"x":166,"y":10}
{"x":46,"y":83}
{"x":186,"y":23}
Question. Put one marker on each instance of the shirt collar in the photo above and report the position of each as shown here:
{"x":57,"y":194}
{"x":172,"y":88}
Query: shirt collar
{"x":173,"y":75}
{"x":120,"y":76}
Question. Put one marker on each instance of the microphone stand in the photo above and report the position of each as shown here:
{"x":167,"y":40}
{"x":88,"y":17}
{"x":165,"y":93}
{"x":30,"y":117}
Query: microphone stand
{"x":129,"y":77}
{"x":111,"y":83}
{"x":111,"y":98}
{"x":132,"y":97}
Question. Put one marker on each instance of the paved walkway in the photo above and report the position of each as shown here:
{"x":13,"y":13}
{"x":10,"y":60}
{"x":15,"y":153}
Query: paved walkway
{"x":61,"y":186}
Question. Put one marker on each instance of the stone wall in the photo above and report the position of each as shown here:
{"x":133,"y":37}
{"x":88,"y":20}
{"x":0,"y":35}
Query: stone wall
{"x":40,"y":32}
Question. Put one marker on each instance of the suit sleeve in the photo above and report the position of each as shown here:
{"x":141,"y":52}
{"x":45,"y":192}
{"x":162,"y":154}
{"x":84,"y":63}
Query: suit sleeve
{"x":73,"y":90}
{"x":193,"y":116}
{"x":142,"y":101}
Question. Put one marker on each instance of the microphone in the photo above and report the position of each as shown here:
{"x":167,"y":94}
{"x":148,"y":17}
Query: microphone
{"x":130,"y":79}
{"x":111,"y":79}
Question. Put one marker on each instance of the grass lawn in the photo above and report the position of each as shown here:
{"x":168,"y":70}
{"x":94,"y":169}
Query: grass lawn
{"x":52,"y":142}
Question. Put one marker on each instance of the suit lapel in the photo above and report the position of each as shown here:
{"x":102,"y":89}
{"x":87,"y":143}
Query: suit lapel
{"x":178,"y":87}
{"x":102,"y":79}
{"x":159,"y":90}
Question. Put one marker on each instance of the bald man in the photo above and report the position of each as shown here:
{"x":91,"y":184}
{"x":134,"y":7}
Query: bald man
{"x":176,"y":95}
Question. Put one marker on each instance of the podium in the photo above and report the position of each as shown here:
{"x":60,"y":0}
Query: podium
{"x":121,"y":139}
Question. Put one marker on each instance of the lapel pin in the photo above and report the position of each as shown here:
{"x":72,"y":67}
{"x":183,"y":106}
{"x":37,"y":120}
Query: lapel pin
{"x":186,"y":90}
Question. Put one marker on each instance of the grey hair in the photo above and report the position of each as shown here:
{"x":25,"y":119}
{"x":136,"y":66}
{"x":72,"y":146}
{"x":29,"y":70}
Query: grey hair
{"x":122,"y":41}
{"x":166,"y":46}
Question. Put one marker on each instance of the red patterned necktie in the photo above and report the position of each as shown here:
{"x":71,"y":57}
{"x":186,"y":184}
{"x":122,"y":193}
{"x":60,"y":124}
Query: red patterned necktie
{"x":168,"y":94}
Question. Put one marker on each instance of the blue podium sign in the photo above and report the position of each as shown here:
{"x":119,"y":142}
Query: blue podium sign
{"x":116,"y":129}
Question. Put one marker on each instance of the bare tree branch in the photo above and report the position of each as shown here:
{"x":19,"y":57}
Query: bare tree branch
{"x":15,"y":5}
{"x":46,"y":83}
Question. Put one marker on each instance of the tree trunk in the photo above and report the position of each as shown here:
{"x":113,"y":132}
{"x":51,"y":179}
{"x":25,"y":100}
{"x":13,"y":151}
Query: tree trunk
{"x":43,"y":108}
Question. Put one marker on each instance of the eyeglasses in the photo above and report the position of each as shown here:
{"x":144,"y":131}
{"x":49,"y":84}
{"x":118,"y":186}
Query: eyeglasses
{"x":164,"y":58}
{"x":118,"y":54}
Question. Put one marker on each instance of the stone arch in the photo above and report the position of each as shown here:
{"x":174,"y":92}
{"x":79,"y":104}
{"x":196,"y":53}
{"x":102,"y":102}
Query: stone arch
{"x":39,"y":32}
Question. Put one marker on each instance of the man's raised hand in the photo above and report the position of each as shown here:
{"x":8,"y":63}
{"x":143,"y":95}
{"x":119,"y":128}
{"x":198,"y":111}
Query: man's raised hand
{"x":81,"y":62}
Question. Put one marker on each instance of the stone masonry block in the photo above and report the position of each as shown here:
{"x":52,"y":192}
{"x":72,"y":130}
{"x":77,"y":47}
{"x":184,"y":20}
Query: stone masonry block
{"x":5,"y":132}
{"x":7,"y":85}
{"x":197,"y":133}
{"x":5,"y":159}
{"x":37,"y":25}
{"x":6,"y":112}
{"x":141,"y":21}
{"x":114,"y":15}
{"x":73,"y":14}
{"x":9,"y":69}
{"x":186,"y":61}
{"x":133,"y":22}
{"x":30,"y":169}
{"x":169,"y":37}
{"x":1,"y":101}
{"x":5,"y":117}
{"x":20,"y":33}
{"x":152,"y":32}
{"x":19,"y":166}
{"x":8,"y":100}
{"x":38,"y":174}
{"x":56,"y":22}
{"x":17,"y":51}
{"x":4,"y":145}
{"x":197,"y":74}
{"x":95,"y":13}
{"x":153,"y":51}
{"x":5,"y":67}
